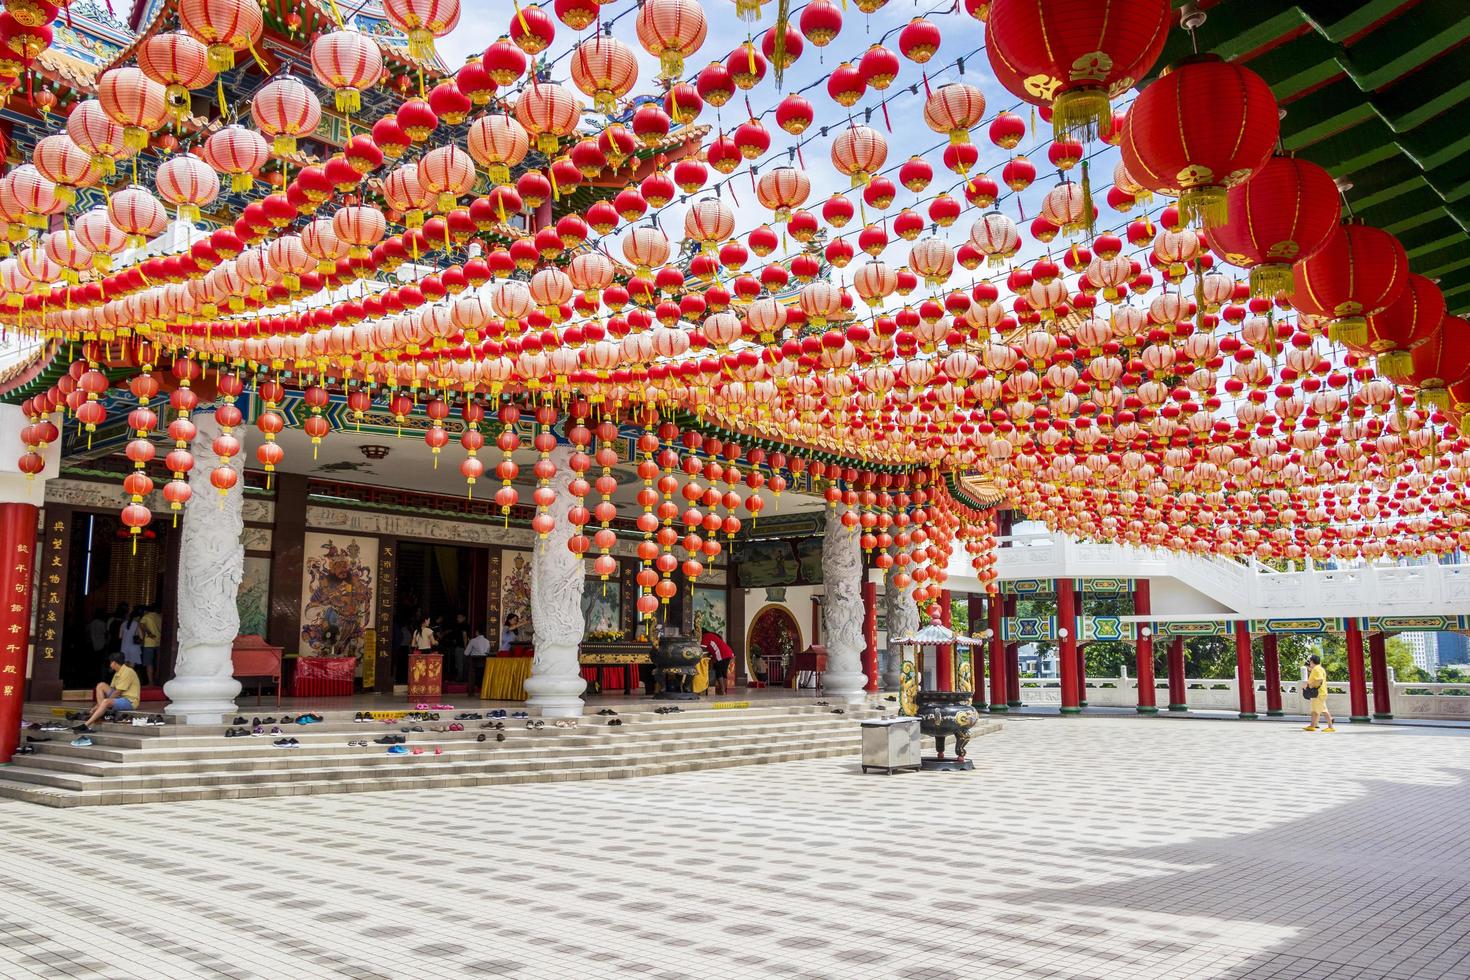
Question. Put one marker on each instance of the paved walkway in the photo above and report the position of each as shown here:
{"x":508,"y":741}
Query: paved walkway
{"x":1105,"y":847}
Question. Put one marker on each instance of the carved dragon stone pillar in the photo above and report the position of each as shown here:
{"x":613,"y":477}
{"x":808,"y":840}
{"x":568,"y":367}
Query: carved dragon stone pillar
{"x":557,"y":577}
{"x":842,"y":574}
{"x":903,"y":620}
{"x":211,"y":563}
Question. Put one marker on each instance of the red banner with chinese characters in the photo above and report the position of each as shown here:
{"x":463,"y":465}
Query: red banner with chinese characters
{"x":425,"y":676}
{"x":18,"y":547}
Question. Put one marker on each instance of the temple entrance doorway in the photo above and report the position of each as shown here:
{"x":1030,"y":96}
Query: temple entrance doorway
{"x":446,"y":584}
{"x":109,"y":586}
{"x":773,"y":639}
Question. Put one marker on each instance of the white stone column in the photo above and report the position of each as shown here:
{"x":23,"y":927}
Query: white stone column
{"x":211,"y":563}
{"x":555,"y":686}
{"x":842,"y":609}
{"x":903,"y":620}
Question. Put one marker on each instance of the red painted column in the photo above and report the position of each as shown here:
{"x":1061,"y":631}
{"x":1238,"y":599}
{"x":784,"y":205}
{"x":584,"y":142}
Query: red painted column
{"x":1067,"y":660}
{"x":870,"y":634}
{"x":1013,"y":662}
{"x":944,"y":653}
{"x":18,"y":547}
{"x":1271,"y":656}
{"x":1378,"y":660}
{"x":1143,"y":650}
{"x":1357,"y":674}
{"x":1178,"y":700}
{"x":999,"y":668}
{"x":1245,"y":670}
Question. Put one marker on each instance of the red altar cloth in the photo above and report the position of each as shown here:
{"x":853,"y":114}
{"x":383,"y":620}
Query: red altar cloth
{"x":318,"y":677}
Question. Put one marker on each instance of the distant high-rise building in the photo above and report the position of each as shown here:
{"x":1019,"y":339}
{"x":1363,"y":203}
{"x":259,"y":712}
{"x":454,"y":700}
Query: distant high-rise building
{"x":1451,"y":648}
{"x":1423,"y":648}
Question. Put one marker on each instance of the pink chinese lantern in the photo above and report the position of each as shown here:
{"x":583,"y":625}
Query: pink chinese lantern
{"x":709,"y":222}
{"x":188,"y":183}
{"x":347,"y":62}
{"x":954,"y":109}
{"x":361,"y":227}
{"x":604,"y":68}
{"x":859,"y":152}
{"x":498,"y":142}
{"x":224,"y":26}
{"x":422,"y":21}
{"x":34,"y":195}
{"x":783,"y":189}
{"x":91,"y":129}
{"x":671,"y":30}
{"x":446,"y":172}
{"x":548,"y":112}
{"x":236,"y":151}
{"x":180,"y":63}
{"x":65,"y":164}
{"x":285,"y":109}
{"x":97,"y":234}
{"x":137,"y":214}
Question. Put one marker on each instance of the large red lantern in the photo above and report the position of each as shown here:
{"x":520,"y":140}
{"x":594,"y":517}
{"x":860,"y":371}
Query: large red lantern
{"x":1075,"y":55}
{"x":1360,"y":270}
{"x":1202,"y":127}
{"x":1441,"y":361}
{"x":1404,"y":324}
{"x":1284,"y":214}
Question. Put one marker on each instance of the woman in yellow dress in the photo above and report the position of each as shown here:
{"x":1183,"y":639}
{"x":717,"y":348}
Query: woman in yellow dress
{"x":1317,"y":681}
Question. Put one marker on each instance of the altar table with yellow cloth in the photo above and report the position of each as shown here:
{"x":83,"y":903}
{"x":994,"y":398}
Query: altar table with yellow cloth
{"x":505,"y":678}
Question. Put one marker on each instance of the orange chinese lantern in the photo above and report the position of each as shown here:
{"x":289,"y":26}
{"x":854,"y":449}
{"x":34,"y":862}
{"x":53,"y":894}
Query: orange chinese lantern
{"x":548,"y":112}
{"x":498,"y":142}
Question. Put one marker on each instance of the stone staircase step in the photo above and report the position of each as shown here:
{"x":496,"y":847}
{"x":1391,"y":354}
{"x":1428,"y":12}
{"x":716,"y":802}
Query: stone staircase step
{"x":130,"y":764}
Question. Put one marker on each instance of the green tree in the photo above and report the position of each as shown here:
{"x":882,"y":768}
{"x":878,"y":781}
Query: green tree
{"x":1106,"y":658}
{"x":1401,"y":661}
{"x":1209,"y":656}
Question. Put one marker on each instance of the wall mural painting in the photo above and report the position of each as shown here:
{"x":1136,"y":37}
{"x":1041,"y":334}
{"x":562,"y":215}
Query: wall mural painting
{"x":515,"y":590}
{"x":602,"y":611}
{"x":712,"y":612}
{"x":764,"y":563}
{"x":337,"y":593}
{"x":253,"y":598}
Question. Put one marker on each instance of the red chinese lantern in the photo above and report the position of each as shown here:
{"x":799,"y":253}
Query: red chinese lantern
{"x":1441,"y":361}
{"x":1283,"y":214}
{"x":1074,"y":55}
{"x":1360,"y":270}
{"x":1404,"y":324}
{"x":919,"y":40}
{"x":1202,"y":127}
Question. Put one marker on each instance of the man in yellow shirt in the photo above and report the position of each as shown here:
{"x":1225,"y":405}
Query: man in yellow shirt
{"x":123,"y":694}
{"x":1317,"y":681}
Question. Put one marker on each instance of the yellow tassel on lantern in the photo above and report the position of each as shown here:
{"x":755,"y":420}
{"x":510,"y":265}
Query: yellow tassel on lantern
{"x":220,"y":58}
{"x":1203,"y":205}
{"x":283,"y":145}
{"x":348,"y":100}
{"x":1350,"y":330}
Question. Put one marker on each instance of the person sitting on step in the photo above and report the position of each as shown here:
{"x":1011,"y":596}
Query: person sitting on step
{"x":123,"y":694}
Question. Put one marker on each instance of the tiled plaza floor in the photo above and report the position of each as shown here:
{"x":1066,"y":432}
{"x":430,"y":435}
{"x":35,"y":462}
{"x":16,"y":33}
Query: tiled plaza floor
{"x":1093,"y":847}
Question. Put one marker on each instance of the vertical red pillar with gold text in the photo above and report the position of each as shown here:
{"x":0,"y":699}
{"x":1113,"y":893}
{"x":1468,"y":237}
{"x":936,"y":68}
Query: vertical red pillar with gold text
{"x":18,"y":546}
